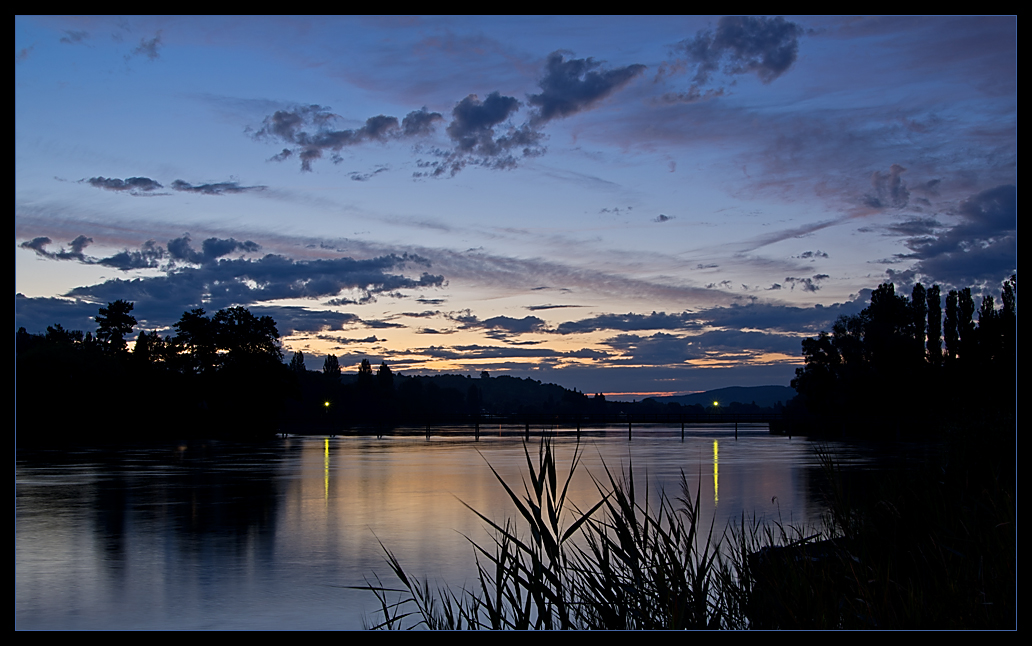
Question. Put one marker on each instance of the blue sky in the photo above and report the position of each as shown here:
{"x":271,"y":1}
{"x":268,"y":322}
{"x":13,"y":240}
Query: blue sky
{"x":625,"y":205}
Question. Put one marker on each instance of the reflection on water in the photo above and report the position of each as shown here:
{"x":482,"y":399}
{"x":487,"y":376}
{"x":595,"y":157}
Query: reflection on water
{"x":211,"y":535}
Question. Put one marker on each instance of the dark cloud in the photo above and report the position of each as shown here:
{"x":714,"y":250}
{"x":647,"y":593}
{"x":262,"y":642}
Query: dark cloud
{"x":813,"y":254}
{"x":421,"y":315}
{"x":630,"y":321}
{"x":889,"y":189}
{"x":72,"y":37}
{"x":368,"y":339}
{"x":467,"y":352}
{"x":295,"y":320}
{"x":39,"y":245}
{"x":501,"y":325}
{"x":133,"y":185}
{"x":309,"y":130}
{"x":811,"y":284}
{"x":916,"y":227}
{"x":148,"y":48}
{"x":36,"y":314}
{"x":220,"y":188}
{"x":766,"y":47}
{"x":364,"y":177}
{"x":148,"y":257}
{"x":381,"y":324}
{"x":663,"y":218}
{"x":534,"y":308}
{"x":982,"y":248}
{"x":575,"y":85}
{"x":215,"y":285}
{"x":419,"y":123}
{"x":729,"y":345}
{"x":476,"y":142}
{"x":211,"y":249}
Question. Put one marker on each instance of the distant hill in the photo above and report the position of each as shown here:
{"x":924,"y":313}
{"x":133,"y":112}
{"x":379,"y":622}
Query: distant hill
{"x":763,"y":396}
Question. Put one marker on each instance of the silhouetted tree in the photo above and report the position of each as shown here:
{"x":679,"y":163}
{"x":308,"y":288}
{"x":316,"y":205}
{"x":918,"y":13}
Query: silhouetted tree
{"x":934,"y":326}
{"x":195,"y":335}
{"x":384,"y":379}
{"x":966,"y":325}
{"x":297,"y":363}
{"x":365,"y":375}
{"x":114,"y":322}
{"x":331,"y":368}
{"x":951,"y":326}
{"x":241,"y":334}
{"x":919,"y":307}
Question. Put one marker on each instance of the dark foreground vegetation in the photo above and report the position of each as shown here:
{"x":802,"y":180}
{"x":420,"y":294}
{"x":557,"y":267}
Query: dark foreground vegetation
{"x":924,"y":544}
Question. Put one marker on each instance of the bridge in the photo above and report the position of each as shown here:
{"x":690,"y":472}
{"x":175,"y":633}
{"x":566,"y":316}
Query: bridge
{"x":574,"y":422}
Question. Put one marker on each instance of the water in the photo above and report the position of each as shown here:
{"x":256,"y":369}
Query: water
{"x":216,"y":535}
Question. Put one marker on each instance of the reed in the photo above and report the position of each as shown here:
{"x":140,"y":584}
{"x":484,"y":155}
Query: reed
{"x":917,"y":552}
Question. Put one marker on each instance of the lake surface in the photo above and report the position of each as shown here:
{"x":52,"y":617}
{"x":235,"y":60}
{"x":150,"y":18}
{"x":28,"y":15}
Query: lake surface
{"x":265,"y":536}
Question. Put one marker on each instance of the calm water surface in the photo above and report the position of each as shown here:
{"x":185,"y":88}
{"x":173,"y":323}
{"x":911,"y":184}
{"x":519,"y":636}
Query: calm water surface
{"x":218,"y":535}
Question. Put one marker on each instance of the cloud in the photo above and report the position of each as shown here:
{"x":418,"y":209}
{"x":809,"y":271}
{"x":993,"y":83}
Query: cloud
{"x":35,"y":314}
{"x":630,"y":321}
{"x":811,"y":284}
{"x":475,"y":141}
{"x":766,"y":47}
{"x":295,"y":320}
{"x":813,"y":254}
{"x":499,"y":327}
{"x":220,"y":188}
{"x":469,"y":352}
{"x":534,"y":308}
{"x":219,"y":283}
{"x":364,"y":177}
{"x":916,"y":227}
{"x":309,"y":130}
{"x":732,"y":346}
{"x":72,"y":36}
{"x":147,"y":257}
{"x":575,"y":85}
{"x":663,"y":218}
{"x":981,"y":248}
{"x":132,"y":185}
{"x":148,"y":48}
{"x":211,"y":249}
{"x":889,"y":189}
{"x":39,"y":245}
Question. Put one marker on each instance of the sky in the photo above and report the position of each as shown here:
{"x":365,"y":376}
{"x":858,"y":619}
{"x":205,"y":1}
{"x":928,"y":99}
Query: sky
{"x":633,"y":206}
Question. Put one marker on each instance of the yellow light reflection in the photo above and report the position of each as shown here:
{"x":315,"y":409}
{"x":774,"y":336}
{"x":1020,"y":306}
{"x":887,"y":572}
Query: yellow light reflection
{"x":326,"y":469}
{"x":716,"y":472}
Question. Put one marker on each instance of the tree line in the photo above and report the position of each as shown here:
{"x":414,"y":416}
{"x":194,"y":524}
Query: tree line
{"x":223,"y":375}
{"x":216,"y":375}
{"x":906,"y":366}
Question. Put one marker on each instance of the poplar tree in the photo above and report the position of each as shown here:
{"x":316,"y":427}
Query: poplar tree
{"x":951,"y":329}
{"x":934,"y":326}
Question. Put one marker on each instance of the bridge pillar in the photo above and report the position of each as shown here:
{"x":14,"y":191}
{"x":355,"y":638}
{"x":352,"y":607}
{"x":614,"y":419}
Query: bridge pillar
{"x":628,"y":430}
{"x":736,"y":430}
{"x":526,"y":432}
{"x":682,"y":430}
